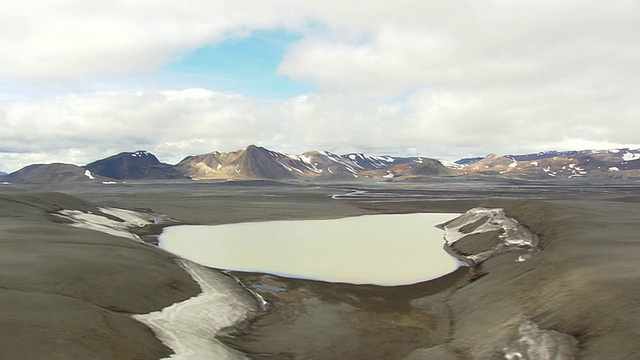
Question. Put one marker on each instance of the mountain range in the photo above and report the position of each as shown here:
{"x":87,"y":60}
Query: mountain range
{"x":254,"y":162}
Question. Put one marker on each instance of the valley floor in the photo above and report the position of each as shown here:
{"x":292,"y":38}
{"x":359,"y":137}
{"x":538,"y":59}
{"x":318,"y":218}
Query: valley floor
{"x":69,"y":292}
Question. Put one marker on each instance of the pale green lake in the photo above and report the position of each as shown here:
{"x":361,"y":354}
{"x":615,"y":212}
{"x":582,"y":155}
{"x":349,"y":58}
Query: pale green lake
{"x":372,"y":249}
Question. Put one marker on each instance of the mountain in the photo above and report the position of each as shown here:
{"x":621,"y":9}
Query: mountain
{"x":254,"y":162}
{"x":139,"y":165}
{"x":615,"y":163}
{"x":56,"y":173}
{"x":433,"y":167}
{"x":2,"y":173}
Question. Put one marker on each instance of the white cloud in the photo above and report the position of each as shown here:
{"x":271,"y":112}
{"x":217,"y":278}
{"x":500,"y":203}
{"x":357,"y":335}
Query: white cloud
{"x":435,"y":78}
{"x":474,"y":45}
{"x":174,"y":124}
{"x":45,"y":40}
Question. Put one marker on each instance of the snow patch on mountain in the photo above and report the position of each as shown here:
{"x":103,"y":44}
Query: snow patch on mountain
{"x":630,"y":156}
{"x":140,"y":153}
{"x":450,"y":165}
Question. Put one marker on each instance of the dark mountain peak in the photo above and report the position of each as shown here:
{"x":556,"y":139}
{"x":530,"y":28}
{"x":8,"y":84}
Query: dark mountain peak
{"x":138,"y":165}
{"x":432,"y":167}
{"x":140,"y":155}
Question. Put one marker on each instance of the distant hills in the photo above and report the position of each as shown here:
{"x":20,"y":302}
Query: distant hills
{"x":56,"y":173}
{"x":255,"y":162}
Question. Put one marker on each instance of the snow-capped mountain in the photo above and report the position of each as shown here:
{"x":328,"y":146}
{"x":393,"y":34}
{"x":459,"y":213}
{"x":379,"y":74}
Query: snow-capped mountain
{"x":560,"y":164}
{"x":254,"y":162}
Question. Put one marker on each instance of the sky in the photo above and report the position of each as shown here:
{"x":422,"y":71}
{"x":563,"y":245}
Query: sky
{"x":81,"y":80}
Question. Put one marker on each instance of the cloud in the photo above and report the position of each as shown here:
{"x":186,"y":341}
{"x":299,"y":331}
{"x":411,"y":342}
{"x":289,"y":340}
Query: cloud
{"x":44,"y":40}
{"x":435,"y":78}
{"x":465,"y":45}
{"x":174,"y":124}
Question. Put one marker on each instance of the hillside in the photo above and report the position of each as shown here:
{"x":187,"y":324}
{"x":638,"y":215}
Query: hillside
{"x":139,"y":165}
{"x":56,"y":173}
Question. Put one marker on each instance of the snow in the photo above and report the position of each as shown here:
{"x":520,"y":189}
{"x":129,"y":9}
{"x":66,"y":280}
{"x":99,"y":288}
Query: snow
{"x":285,"y":166}
{"x":218,"y":167}
{"x":109,"y":182}
{"x":87,"y":173}
{"x":630,"y":156}
{"x":614,"y":168}
{"x":450,"y":165}
{"x":97,"y":222}
{"x":331,"y":156}
{"x":534,"y":163}
{"x":385,"y":159}
{"x":189,"y":327}
{"x":388,"y":176}
{"x":513,"y":164}
{"x":306,"y":159}
{"x":534,"y":343}
{"x":513,"y":236}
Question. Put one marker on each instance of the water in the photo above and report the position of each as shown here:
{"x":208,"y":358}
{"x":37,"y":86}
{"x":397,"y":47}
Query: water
{"x":374,"y":249}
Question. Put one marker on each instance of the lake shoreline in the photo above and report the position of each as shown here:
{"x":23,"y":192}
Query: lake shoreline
{"x":575,"y":285}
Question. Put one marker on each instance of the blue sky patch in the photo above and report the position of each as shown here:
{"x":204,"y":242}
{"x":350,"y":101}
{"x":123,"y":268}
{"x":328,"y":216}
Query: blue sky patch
{"x":247,"y":65}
